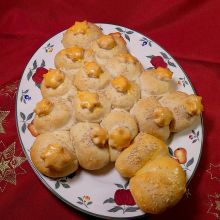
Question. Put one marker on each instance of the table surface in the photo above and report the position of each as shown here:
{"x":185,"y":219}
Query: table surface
{"x":189,"y":30}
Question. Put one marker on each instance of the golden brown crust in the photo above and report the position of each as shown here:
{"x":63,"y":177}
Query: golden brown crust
{"x":159,"y":185}
{"x":61,"y":138}
{"x":60,"y":118}
{"x":185,"y":109}
{"x":146,"y":113}
{"x":144,"y":148}
{"x":71,"y":38}
{"x":154,"y":84}
{"x":90,"y":155}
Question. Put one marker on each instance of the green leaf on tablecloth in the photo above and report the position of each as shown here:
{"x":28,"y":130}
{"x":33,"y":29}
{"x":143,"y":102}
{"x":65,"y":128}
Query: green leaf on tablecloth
{"x":115,"y":209}
{"x":57,"y":185}
{"x":29,"y":75}
{"x":81,"y":203}
{"x":110,"y":200}
{"x":150,"y":44}
{"x":30,"y":116}
{"x":127,"y":37}
{"x":150,"y":57}
{"x":194,"y":141}
{"x":80,"y":199}
{"x":131,"y":209}
{"x":22,"y":116}
{"x":119,"y":185}
{"x":190,"y":162}
{"x":23,"y":127}
{"x":119,"y":29}
{"x":164,"y":55}
{"x":126,"y":185}
{"x":65,"y":185}
{"x":34,"y":64}
{"x":89,"y":203}
{"x":129,"y":32}
{"x":42,"y":63}
{"x":171,"y":64}
{"x":170,"y":151}
{"x":63,"y":181}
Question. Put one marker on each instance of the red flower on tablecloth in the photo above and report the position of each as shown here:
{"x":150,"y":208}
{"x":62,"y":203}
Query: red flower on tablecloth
{"x":10,"y":165}
{"x":38,"y":75}
{"x":157,"y":61}
{"x":214,"y":205}
{"x":214,"y":171}
{"x":123,"y":199}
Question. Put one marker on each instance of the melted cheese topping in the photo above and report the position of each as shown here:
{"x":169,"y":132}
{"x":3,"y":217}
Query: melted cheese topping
{"x":163,"y":73}
{"x":121,"y":84}
{"x":55,"y":157}
{"x":53,"y":78}
{"x":119,"y":138}
{"x":127,"y":58}
{"x":99,"y":136}
{"x":93,"y":70}
{"x":44,"y":107}
{"x":76,"y":54}
{"x":89,"y":100}
{"x":162,"y":116}
{"x":106,"y":42}
{"x":193,"y":105}
{"x":80,"y":27}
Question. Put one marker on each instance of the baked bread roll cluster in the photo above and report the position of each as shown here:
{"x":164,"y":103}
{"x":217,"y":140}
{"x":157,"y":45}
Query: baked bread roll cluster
{"x":99,"y":106}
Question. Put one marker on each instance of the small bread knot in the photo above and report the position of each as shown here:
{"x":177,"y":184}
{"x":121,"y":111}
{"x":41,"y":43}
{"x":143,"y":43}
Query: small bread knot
{"x":106,"y":42}
{"x":99,"y":136}
{"x":44,"y":107}
{"x":163,"y":73}
{"x":53,"y":78}
{"x":93,"y":70}
{"x":76,"y":54}
{"x":89,"y":100}
{"x":162,"y":116}
{"x":193,"y":105}
{"x":120,"y":138}
{"x":121,"y":84}
{"x":55,"y":157}
{"x":79,"y":27}
{"x":127,"y":58}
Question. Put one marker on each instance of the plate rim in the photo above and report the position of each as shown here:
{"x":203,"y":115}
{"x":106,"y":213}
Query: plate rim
{"x":38,"y":173}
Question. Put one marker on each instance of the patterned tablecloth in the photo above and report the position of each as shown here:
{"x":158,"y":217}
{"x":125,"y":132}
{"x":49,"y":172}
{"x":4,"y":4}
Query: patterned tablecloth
{"x":189,"y":30}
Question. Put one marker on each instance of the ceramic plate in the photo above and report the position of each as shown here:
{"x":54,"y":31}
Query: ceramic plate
{"x":103,"y":193}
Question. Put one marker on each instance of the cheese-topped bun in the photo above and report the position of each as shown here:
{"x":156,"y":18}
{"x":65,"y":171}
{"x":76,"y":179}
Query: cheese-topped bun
{"x":152,"y":118}
{"x":90,"y":142}
{"x":53,"y":154}
{"x":122,"y":128}
{"x":57,"y":84}
{"x":126,"y":65}
{"x":81,"y":34}
{"x":123,"y":93}
{"x":185,"y":108}
{"x":108,"y":46}
{"x":144,"y":148}
{"x":156,"y":82}
{"x":70,"y":60}
{"x":159,"y":185}
{"x":91,"y":77}
{"x":91,"y":106}
{"x":51,"y":115}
